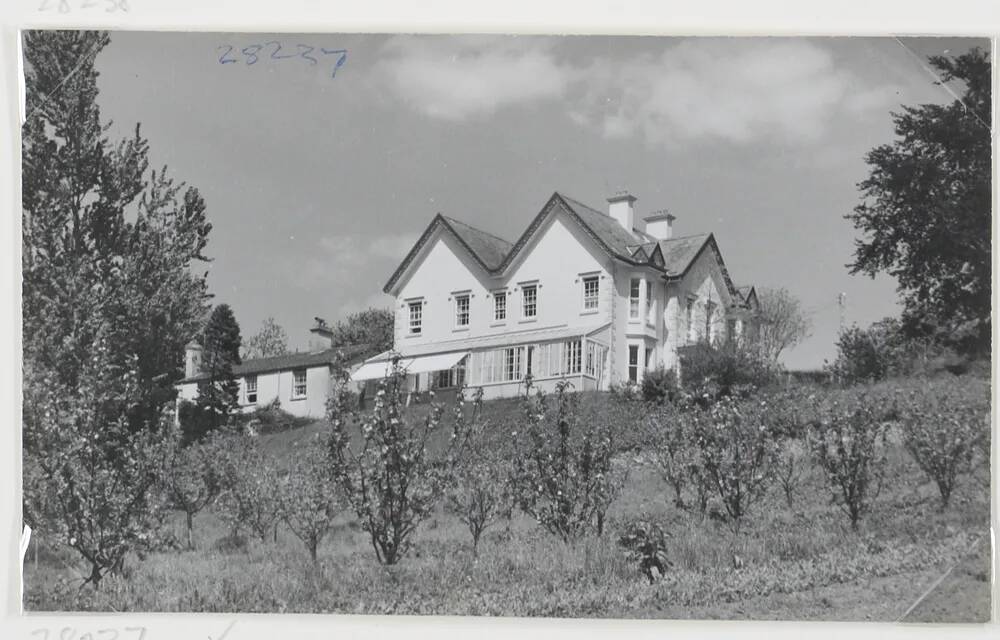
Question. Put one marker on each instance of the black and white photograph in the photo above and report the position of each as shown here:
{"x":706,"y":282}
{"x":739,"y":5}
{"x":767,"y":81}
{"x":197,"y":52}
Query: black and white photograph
{"x":533,"y":326}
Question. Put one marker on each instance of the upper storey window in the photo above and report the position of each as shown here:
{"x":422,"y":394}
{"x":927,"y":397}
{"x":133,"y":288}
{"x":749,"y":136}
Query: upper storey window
{"x":416,"y":322}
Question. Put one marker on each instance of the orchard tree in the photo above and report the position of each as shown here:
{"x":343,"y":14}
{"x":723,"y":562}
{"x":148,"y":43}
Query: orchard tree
{"x":218,"y":393}
{"x":109,"y":293}
{"x":270,"y":341}
{"x":782,"y":323}
{"x":925,"y":209}
{"x":391,"y":479}
{"x":373,"y":327}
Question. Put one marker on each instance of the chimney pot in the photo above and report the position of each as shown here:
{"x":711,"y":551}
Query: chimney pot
{"x":660,"y":224}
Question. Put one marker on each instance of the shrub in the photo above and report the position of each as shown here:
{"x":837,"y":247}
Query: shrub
{"x":738,"y":451}
{"x":195,"y":421}
{"x":660,"y":385}
{"x":390,"y":481}
{"x":310,"y":496}
{"x":676,"y":456}
{"x":713,"y":372}
{"x":848,"y":443}
{"x":646,"y":543}
{"x":271,"y":418}
{"x":790,"y":468}
{"x":943,"y":430}
{"x":563,"y":470}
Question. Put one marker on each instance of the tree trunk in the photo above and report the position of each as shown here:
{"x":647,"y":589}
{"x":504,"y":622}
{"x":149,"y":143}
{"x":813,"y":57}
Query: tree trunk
{"x":190,"y":529}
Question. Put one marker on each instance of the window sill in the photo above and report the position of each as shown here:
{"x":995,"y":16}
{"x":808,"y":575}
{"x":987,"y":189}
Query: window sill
{"x":460,"y":330}
{"x":412,"y":335}
{"x":297,"y":398}
{"x":590,"y":312}
{"x":499,"y":323}
{"x":527,"y":320}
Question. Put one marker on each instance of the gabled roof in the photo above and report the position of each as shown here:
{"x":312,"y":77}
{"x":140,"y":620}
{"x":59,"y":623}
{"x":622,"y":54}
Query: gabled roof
{"x":748,"y":294}
{"x":347,"y":355}
{"x":485,"y":248}
{"x":674,"y":256}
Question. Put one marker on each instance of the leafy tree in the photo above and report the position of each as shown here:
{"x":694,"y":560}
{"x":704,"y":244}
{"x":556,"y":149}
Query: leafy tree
{"x":250,"y":496}
{"x":926,"y":209}
{"x":372,"y":327}
{"x":109,"y":292}
{"x":391,"y":481}
{"x":782,"y":323}
{"x":270,"y":341}
{"x":218,"y":393}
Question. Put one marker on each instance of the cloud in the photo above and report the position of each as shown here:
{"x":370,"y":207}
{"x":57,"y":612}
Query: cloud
{"x":471,"y":76}
{"x":352,"y":260}
{"x":736,"y":90}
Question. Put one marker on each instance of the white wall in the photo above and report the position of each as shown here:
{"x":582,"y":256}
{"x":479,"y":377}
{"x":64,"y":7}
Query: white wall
{"x":279,"y":384}
{"x":556,"y":258}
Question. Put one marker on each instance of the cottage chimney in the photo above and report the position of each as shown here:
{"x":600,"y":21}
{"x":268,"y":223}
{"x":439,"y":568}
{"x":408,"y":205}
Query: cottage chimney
{"x":322,"y":336}
{"x":660,"y":224}
{"x":192,"y":359}
{"x":621,"y":207}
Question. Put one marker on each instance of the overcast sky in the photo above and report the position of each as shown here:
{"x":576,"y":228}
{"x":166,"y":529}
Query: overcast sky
{"x":318,"y":185}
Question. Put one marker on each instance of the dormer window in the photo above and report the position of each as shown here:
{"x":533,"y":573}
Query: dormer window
{"x":416,"y":323}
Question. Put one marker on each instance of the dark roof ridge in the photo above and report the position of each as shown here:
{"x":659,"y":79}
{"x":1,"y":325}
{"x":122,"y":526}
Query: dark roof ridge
{"x":487,"y":233}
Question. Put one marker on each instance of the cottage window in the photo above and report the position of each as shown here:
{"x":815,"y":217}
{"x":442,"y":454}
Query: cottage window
{"x":689,"y":318}
{"x":251,"y":382}
{"x":529,"y":298}
{"x":448,"y":378}
{"x":634,"y":298}
{"x":591,"y":291}
{"x":416,"y":316}
{"x":462,"y":310}
{"x":500,"y":306}
{"x":731,"y":329}
{"x":299,"y":383}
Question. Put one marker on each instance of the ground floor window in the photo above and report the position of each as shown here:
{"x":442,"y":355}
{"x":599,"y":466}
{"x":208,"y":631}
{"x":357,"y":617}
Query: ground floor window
{"x":450,"y":378}
{"x":299,"y":383}
{"x":633,"y":363}
{"x":545,"y":360}
{"x":251,"y":389}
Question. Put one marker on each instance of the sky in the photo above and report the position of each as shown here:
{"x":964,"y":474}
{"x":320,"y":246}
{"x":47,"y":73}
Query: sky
{"x":318,"y":179}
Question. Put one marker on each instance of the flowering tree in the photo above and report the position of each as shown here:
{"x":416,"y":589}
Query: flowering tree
{"x":563,"y":470}
{"x":942,"y":431}
{"x":482,"y":493}
{"x":391,"y":480}
{"x":250,"y":493}
{"x":191,"y":481}
{"x":738,"y":452}
{"x":848,"y":443}
{"x":310,"y":496}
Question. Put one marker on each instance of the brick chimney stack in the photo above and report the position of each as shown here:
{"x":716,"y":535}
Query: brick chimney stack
{"x":621,"y":207}
{"x":322,"y":336}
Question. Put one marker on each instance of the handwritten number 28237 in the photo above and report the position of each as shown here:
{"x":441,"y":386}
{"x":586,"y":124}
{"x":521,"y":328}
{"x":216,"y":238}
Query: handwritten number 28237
{"x":252,"y":54}
{"x":64,"y":6}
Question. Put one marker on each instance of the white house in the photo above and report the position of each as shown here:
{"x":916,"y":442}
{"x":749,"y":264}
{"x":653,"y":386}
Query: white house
{"x":596,"y":297}
{"x":300,"y":382}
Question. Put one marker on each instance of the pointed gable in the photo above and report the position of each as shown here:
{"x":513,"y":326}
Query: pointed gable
{"x":485,"y":248}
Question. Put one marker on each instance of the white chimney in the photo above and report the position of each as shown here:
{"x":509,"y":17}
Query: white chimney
{"x":621,"y":207}
{"x":192,"y":359}
{"x":322,"y":336}
{"x":660,"y":224}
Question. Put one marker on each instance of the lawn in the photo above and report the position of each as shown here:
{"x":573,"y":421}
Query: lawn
{"x":789,"y":562}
